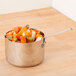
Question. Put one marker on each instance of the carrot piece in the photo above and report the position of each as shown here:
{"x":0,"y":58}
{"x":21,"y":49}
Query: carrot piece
{"x":18,"y":36}
{"x":26,"y":33}
{"x":19,"y":27}
{"x":14,"y":34}
{"x":37,"y":32}
{"x":37,"y":35}
{"x":22,"y":30}
{"x":16,"y":29}
{"x":14,"y":39}
{"x":23,"y":39}
{"x":29,"y":34}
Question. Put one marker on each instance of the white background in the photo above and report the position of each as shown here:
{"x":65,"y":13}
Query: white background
{"x":9,"y":6}
{"x":67,"y":7}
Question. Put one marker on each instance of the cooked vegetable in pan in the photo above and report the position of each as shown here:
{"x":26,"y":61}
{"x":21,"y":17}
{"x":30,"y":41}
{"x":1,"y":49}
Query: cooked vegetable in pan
{"x":24,"y":34}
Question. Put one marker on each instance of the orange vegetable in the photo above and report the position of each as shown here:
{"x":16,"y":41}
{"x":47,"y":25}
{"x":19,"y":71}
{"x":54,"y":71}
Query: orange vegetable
{"x":24,"y":34}
{"x":23,"y":39}
{"x":18,"y":36}
{"x":29,"y":34}
{"x":22,"y":30}
{"x":17,"y":29}
{"x":37,"y":35}
{"x":14,"y":39}
{"x":37,"y":32}
{"x":14,"y":34}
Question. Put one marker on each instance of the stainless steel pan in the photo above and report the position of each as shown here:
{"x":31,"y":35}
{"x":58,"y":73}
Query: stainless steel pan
{"x":27,"y":54}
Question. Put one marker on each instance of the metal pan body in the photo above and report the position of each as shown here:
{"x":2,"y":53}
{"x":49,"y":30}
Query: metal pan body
{"x":24,"y":54}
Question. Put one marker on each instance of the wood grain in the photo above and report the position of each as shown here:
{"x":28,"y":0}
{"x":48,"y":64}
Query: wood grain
{"x":60,"y":50}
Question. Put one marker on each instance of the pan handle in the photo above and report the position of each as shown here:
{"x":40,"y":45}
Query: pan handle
{"x":43,"y":43}
{"x":66,"y":30}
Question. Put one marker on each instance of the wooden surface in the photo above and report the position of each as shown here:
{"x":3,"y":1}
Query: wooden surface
{"x":60,"y":50}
